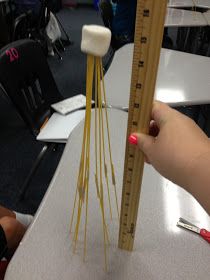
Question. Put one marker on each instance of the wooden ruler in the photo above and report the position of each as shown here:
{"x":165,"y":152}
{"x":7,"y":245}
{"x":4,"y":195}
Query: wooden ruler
{"x":150,"y":19}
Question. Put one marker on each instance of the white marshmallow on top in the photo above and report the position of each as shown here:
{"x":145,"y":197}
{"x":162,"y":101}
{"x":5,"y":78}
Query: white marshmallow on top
{"x":95,"y":40}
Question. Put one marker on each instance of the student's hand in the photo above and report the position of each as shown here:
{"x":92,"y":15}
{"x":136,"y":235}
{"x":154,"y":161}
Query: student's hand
{"x":175,"y":144}
{"x":14,"y":231}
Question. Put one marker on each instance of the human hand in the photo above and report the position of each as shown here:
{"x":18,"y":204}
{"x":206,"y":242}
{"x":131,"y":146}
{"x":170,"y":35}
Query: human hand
{"x":175,"y":144}
{"x":14,"y":231}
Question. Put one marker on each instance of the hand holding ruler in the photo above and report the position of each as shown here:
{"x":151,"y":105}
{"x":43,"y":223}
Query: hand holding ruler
{"x":150,"y":18}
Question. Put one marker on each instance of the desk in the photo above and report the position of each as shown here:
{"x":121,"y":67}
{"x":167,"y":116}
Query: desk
{"x":162,"y":251}
{"x":183,"y":79}
{"x":207,"y":17}
{"x":180,"y":4}
{"x":190,"y":25}
{"x":184,"y":18}
{"x":205,"y":4}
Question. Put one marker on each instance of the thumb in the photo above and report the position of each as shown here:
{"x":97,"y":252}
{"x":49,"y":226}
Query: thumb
{"x":143,"y":141}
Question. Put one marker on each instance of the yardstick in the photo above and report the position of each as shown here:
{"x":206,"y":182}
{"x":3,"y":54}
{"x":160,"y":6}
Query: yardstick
{"x":150,"y":17}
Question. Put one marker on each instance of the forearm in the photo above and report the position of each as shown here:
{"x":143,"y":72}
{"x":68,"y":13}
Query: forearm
{"x":198,"y":182}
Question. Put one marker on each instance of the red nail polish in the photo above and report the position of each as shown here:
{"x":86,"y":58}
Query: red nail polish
{"x":133,"y":140}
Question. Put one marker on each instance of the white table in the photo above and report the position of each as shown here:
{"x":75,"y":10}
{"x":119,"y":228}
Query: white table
{"x":161,"y":252}
{"x":184,"y":18}
{"x":207,"y":17}
{"x":205,"y":4}
{"x":183,"y":79}
{"x":180,"y":3}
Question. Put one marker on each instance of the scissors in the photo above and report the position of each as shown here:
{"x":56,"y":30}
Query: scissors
{"x":187,"y":225}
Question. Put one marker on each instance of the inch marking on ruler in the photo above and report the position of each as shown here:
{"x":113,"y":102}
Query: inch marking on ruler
{"x":150,"y":18}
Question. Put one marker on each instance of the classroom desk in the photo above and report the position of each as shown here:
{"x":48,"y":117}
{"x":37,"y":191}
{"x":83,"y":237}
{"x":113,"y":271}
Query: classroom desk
{"x":161,"y":252}
{"x":180,"y":4}
{"x":205,"y":4}
{"x":183,"y":79}
{"x":207,"y":17}
{"x":184,"y":18}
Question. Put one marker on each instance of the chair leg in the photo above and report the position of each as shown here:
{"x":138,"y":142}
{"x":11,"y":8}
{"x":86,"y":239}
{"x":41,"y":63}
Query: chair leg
{"x":34,"y":168}
{"x":64,"y":31}
{"x":61,"y":44}
{"x":57,"y":51}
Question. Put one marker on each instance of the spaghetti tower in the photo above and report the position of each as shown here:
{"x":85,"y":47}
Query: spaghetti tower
{"x":95,"y":43}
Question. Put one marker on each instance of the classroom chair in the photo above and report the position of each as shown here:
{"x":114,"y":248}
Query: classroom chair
{"x":105,"y":9}
{"x":27,"y":80}
{"x":21,"y":27}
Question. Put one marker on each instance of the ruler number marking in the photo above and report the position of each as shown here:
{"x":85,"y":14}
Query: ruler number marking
{"x":141,"y":64}
{"x":146,"y":13}
{"x":132,"y":230}
{"x":143,"y":40}
{"x":138,"y":85}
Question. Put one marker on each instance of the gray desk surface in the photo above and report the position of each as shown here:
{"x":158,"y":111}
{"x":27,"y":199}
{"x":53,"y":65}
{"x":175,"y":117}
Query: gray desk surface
{"x":184,"y":18}
{"x":180,"y":3}
{"x":202,"y":4}
{"x":162,"y":251}
{"x":207,"y":16}
{"x":183,"y":79}
{"x":189,"y":3}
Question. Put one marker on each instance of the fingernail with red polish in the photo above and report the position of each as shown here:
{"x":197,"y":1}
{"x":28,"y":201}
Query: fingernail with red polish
{"x":133,"y":139}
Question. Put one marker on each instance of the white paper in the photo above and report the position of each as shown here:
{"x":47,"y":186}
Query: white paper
{"x":70,"y":104}
{"x":59,"y":127}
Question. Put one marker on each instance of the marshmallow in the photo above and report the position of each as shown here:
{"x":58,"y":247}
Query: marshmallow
{"x":95,"y":40}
